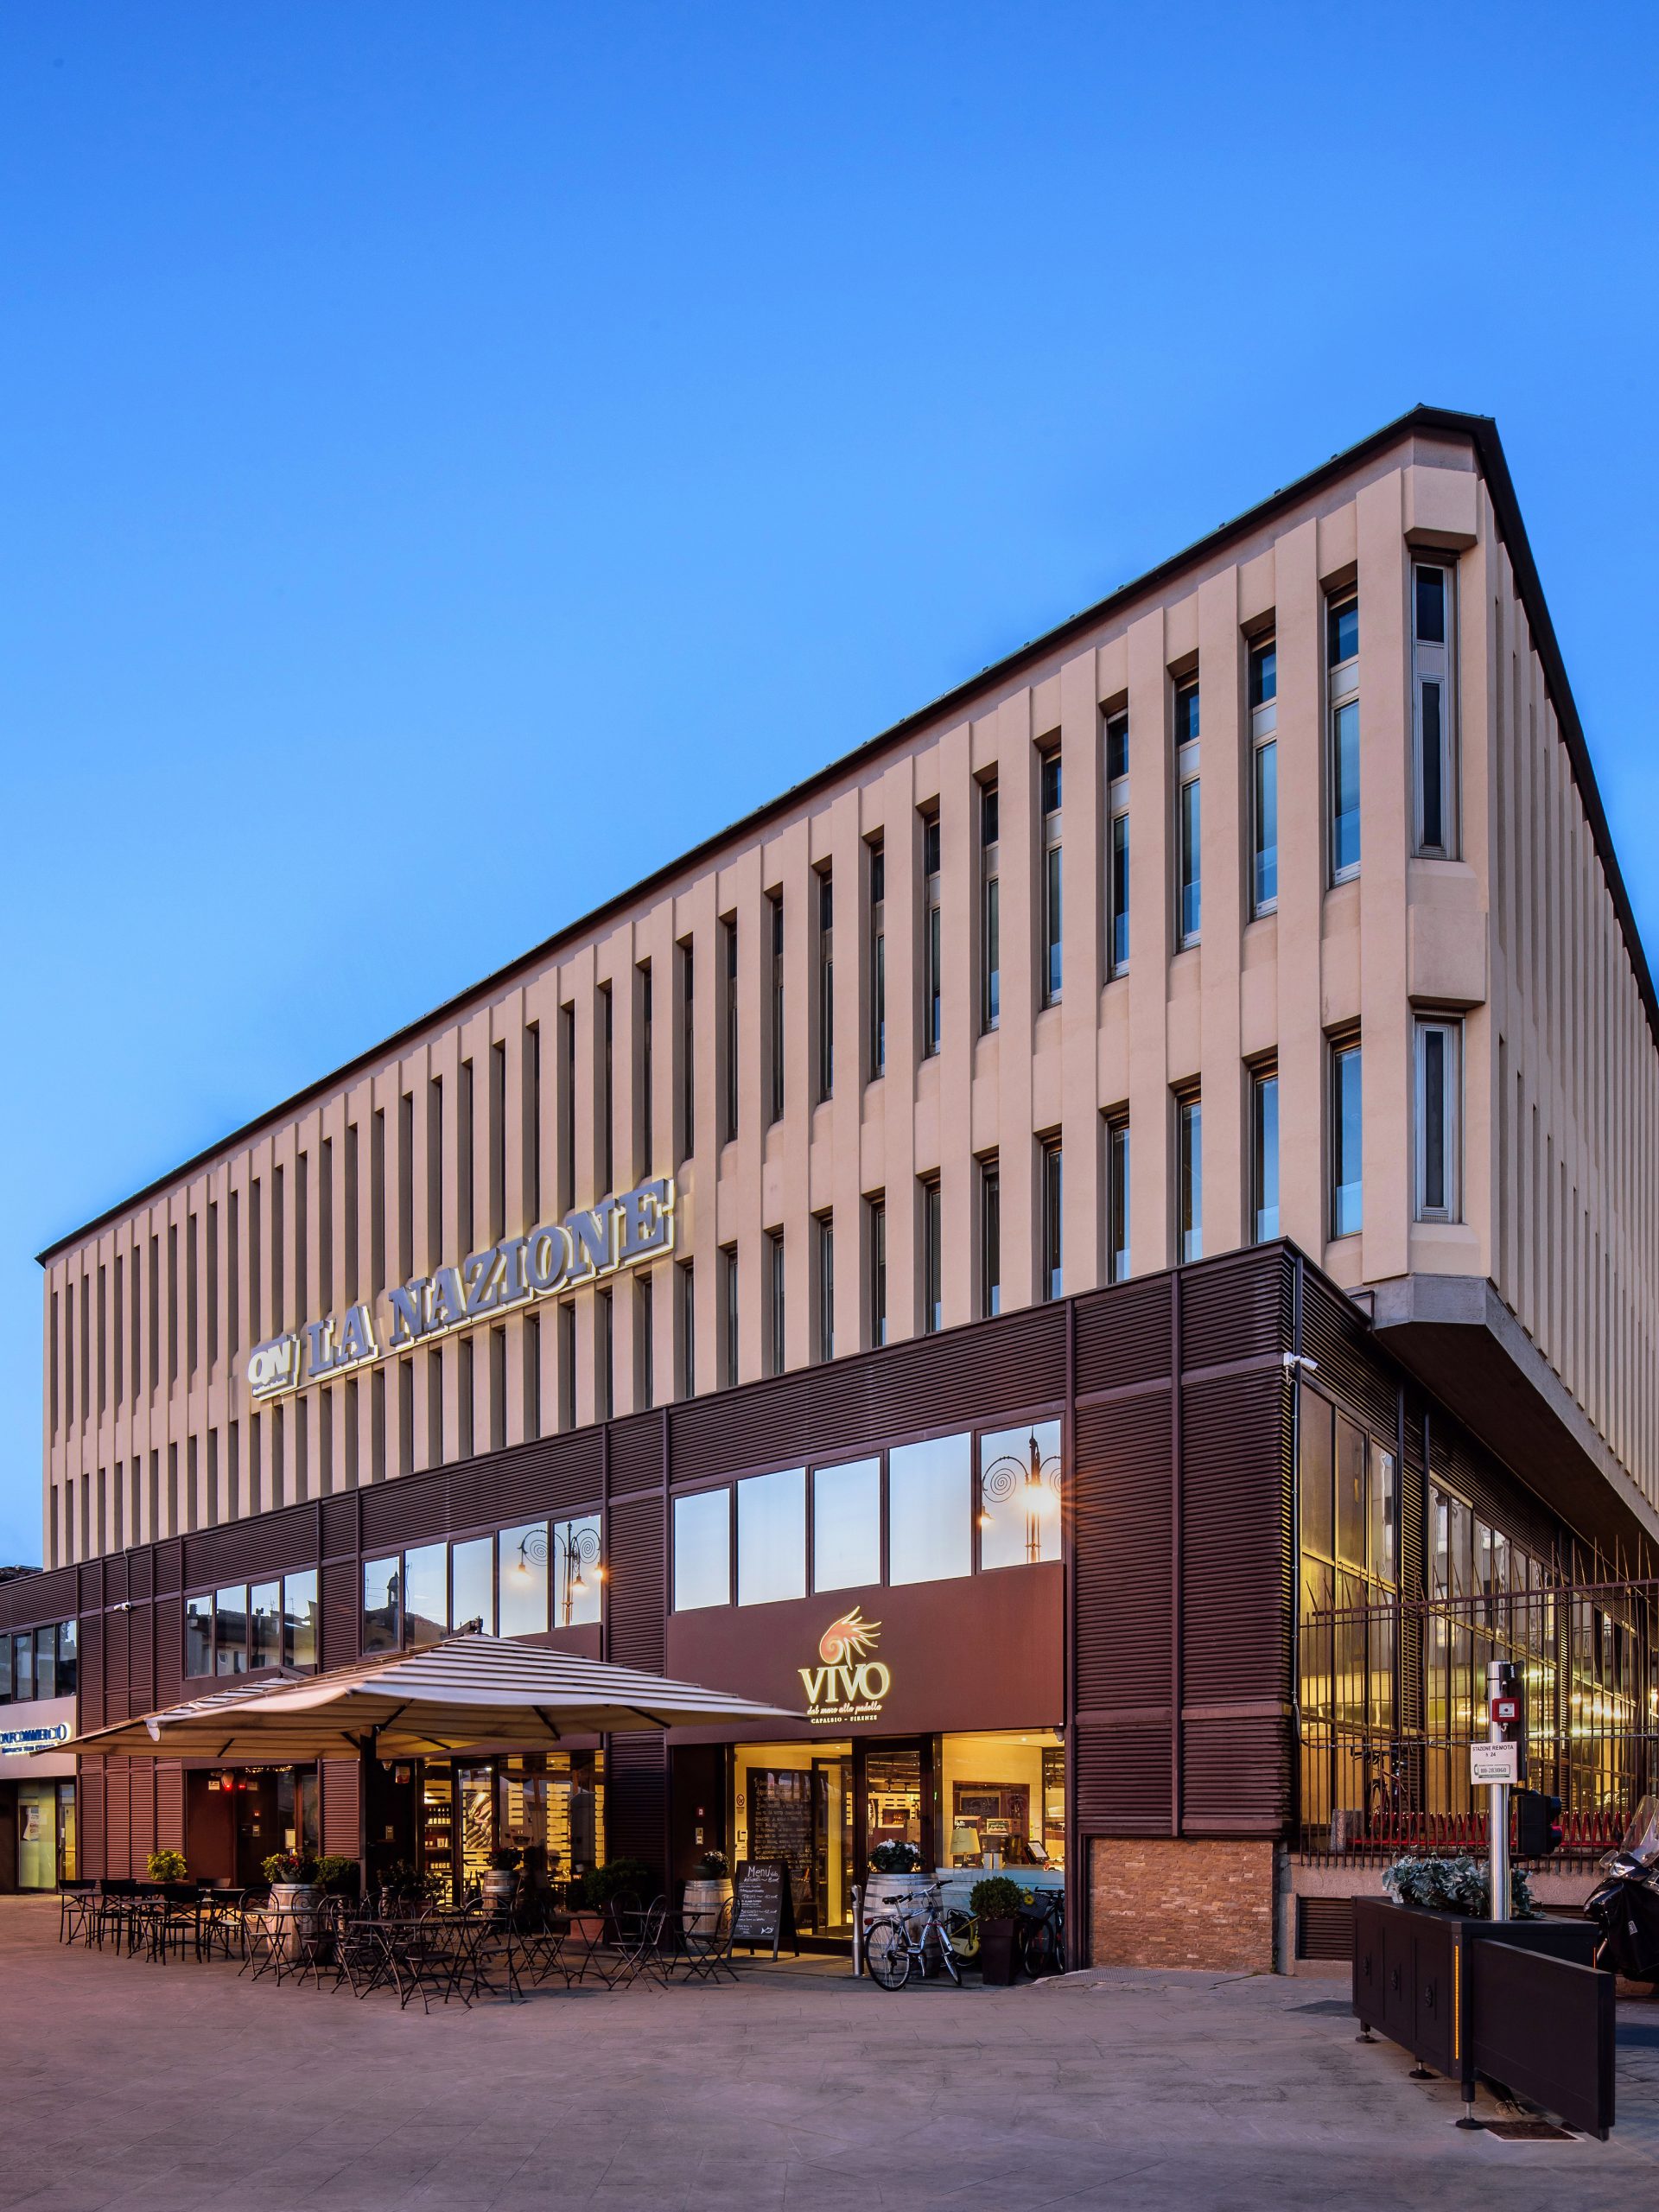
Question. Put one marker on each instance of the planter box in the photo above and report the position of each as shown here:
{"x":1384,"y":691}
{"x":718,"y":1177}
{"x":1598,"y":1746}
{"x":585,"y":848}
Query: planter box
{"x":997,"y":1953}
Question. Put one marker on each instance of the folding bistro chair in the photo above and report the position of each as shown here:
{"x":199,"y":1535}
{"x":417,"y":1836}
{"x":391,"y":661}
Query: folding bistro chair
{"x":705,"y":1941}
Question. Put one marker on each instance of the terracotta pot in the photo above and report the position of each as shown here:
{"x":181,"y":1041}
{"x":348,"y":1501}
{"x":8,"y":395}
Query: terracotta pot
{"x":997,"y":1956}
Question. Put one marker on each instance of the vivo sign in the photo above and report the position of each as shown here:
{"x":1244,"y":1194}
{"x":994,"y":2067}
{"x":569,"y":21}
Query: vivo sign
{"x":560,"y":1255}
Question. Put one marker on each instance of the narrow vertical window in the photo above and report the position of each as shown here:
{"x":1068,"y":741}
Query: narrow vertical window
{"x":728,"y":935}
{"x":1188,"y":1177}
{"x":466,"y":1393}
{"x":466,"y":1156}
{"x":211,"y":1358}
{"x":606,"y":1091}
{"x":775,"y":941}
{"x":1264,"y":1154}
{"x":192,"y":1304}
{"x":498,"y":1389}
{"x":532,"y":1376}
{"x":567,"y":1366}
{"x":1342,"y":765}
{"x":826,"y":1286}
{"x":234,"y":1264}
{"x":1346,"y":1139}
{"x":932,"y":950}
{"x":645,"y":1148}
{"x":687,"y":1052}
{"x":1053,"y":911}
{"x":1117,"y":857}
{"x":990,"y":917}
{"x":1438,"y":1086}
{"x":173,"y":1298}
{"x":605,"y":1322}
{"x":878,"y":1272}
{"x":1431,"y":670}
{"x":729,"y":1312}
{"x":1189,"y":843}
{"x":932,"y":1260}
{"x":826,"y":985}
{"x":686,"y":1284}
{"x":567,"y":1079}
{"x":377,"y":1214}
{"x":1053,"y":1221}
{"x":644,"y":1343}
{"x":1264,"y":776}
{"x":1117,"y":1201}
{"x":990,"y":1239}
{"x":775,"y":1316}
{"x":353,"y":1270}
{"x":530,"y":1122}
{"x":434,"y":1176}
{"x":878,"y":963}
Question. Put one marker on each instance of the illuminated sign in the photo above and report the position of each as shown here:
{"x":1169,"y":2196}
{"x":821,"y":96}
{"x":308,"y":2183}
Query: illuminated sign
{"x":849,"y":1685}
{"x":584,"y":1248}
{"x":34,"y":1739}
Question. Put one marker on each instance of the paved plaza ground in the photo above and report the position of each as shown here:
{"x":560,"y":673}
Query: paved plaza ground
{"x":126,"y":2084}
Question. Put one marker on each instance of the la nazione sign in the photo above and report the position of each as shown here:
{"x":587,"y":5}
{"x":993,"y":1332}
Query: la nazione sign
{"x":560,"y":1255}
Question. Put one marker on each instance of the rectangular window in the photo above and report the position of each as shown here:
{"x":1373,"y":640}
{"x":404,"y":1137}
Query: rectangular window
{"x":498,"y":1389}
{"x":775,"y":942}
{"x":198,"y":1636}
{"x":729,"y":1312}
{"x":231,"y":1632}
{"x":847,"y":1525}
{"x":1345,"y":1139}
{"x":1188,"y":817}
{"x":608,"y":1090}
{"x":1053,"y":914}
{"x":990,"y":917}
{"x":932,"y":950}
{"x":687,"y":1052}
{"x":300,"y":1629}
{"x":878,"y":1272}
{"x":1434,"y":758}
{"x":686,"y":1282}
{"x":990,"y":1239}
{"x":1117,"y":1201}
{"x":529,"y":1122}
{"x":771,"y":1537}
{"x":496,"y":1142}
{"x":1053,"y":1221}
{"x":566,"y":1077}
{"x":1264,"y":1154}
{"x":1264,"y":775}
{"x":826,"y":985}
{"x":645,"y":1147}
{"x":878,"y":963}
{"x":930,"y":1509}
{"x":1117,"y":855}
{"x":1020,"y":1495}
{"x":471,"y":1585}
{"x":532,"y":1376}
{"x":577,"y":1572}
{"x":824,"y":1230}
{"x":433,"y":1173}
{"x":1342,"y":767}
{"x":702,"y":1550}
{"x":644,"y":1343}
{"x":932,"y":1260}
{"x":1439,"y":1088}
{"x":521,"y":1579}
{"x":775,"y":1317}
{"x":1189,"y":1178}
{"x":605,"y":1328}
{"x":425,"y":1592}
{"x":728,"y":937}
{"x":567,"y":1366}
{"x":466,"y":1157}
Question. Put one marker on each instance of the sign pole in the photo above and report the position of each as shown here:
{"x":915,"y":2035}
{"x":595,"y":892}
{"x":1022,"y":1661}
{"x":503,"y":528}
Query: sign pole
{"x":1506,"y":1725}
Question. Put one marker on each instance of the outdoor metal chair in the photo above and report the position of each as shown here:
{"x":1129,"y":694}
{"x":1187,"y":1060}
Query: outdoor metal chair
{"x":77,"y":1902}
{"x":635,"y":1944}
{"x":264,"y":1937}
{"x":704,"y":1943}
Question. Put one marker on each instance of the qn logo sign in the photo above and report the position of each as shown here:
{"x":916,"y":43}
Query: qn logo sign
{"x":847,"y":1684}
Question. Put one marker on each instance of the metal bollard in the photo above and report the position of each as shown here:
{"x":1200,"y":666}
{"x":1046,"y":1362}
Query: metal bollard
{"x":858,"y":1930}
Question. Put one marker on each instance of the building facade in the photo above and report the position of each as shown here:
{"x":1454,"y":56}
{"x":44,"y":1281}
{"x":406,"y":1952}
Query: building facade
{"x":1270,"y":899}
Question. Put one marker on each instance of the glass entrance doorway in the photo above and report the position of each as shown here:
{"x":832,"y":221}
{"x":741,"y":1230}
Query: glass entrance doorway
{"x":795,"y":1802}
{"x":893,"y":1789}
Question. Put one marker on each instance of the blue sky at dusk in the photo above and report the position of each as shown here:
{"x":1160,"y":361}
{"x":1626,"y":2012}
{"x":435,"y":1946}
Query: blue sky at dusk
{"x":455,"y":458}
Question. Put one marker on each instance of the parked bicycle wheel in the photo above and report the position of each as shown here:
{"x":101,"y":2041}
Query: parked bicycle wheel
{"x":1040,"y":1947}
{"x":947,"y":1950}
{"x":962,"y":1928}
{"x":887,"y":1954}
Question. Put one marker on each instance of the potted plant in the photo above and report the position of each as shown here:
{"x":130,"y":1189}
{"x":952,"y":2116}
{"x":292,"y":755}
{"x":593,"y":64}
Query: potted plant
{"x":994,"y":1903}
{"x":165,"y":1866}
{"x":707,"y":1892}
{"x":337,"y":1876}
{"x":293,"y":1879}
{"x":1459,"y":1885}
{"x":892,"y":1870}
{"x":400,"y":1883}
{"x":500,"y":1885}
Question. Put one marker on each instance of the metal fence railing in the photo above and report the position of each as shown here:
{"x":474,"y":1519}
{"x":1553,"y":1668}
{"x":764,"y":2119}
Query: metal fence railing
{"x":1392,"y":1695}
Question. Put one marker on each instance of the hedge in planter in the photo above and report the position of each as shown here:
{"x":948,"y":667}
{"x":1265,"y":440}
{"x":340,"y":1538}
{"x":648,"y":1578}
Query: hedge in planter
{"x":994,"y":1903}
{"x":1460,"y":1884}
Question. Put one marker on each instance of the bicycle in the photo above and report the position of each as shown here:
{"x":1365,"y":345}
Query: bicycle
{"x":1040,"y":1935}
{"x":892,"y":1943}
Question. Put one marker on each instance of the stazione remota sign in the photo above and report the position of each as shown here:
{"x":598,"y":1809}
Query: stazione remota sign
{"x":584,"y":1248}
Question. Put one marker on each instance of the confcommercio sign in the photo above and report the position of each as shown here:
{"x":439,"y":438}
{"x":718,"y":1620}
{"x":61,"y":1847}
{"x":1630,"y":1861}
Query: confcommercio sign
{"x":584,"y":1248}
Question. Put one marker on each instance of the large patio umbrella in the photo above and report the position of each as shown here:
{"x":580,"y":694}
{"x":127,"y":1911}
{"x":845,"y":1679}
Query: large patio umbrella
{"x":465,"y":1692}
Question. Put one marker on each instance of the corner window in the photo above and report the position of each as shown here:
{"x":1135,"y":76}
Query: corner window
{"x":1342,"y":749}
{"x":1439,"y":1089}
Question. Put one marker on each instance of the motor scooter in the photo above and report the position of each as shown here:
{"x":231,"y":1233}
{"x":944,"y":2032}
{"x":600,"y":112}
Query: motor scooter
{"x":1624,"y":1905}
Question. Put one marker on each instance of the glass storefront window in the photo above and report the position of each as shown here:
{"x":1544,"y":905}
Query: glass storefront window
{"x":847,"y":1525}
{"x":1003,"y":1796}
{"x":300,"y":1618}
{"x":38,"y":1663}
{"x":471,"y":1584}
{"x":37,"y":1835}
{"x":702,"y":1550}
{"x":795,"y":1802}
{"x":1020,"y":1495}
{"x":197,"y":1635}
{"x":771,"y":1537}
{"x":523,"y":1579}
{"x":265,"y":1625}
{"x":929,"y":1537}
{"x":381,"y":1582}
{"x":575,"y":1571}
{"x":231,"y":1632}
{"x":426,"y":1593}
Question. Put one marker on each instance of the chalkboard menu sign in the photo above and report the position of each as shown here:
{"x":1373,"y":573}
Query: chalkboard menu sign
{"x":763,"y":1907}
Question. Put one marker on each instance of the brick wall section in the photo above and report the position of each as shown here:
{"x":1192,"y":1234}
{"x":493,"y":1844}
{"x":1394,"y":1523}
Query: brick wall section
{"x":1163,"y":1903}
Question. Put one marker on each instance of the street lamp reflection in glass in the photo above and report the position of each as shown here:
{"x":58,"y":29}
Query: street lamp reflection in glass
{"x":1020,"y":1495}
